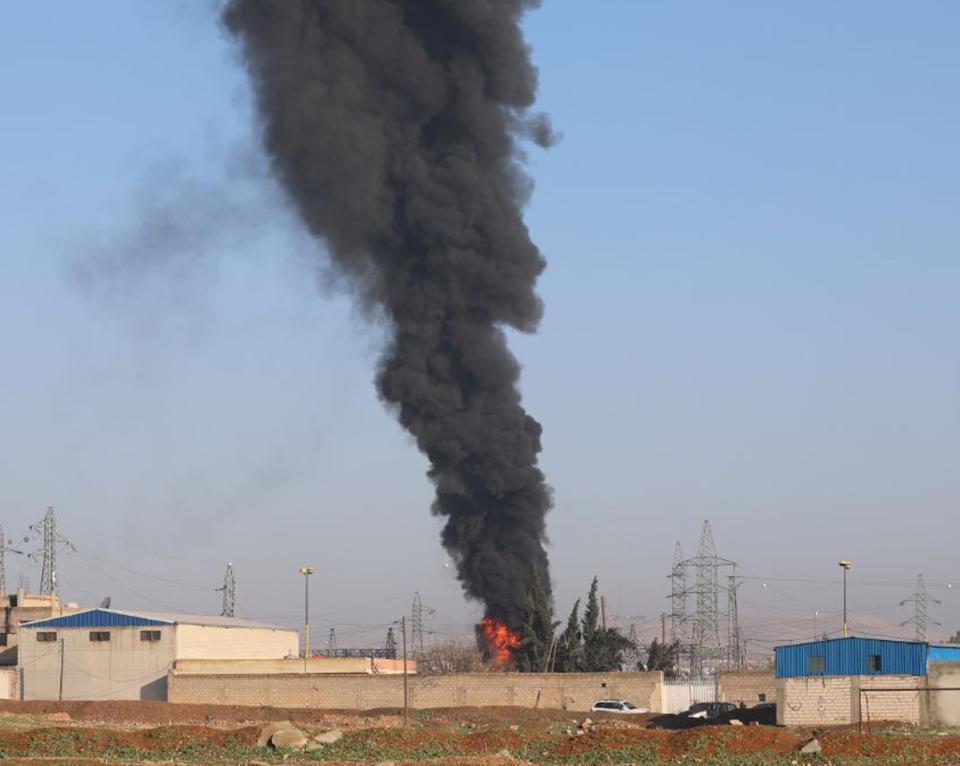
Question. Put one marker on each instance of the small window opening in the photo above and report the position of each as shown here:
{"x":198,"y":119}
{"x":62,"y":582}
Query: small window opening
{"x":149,"y":635}
{"x":816,"y":664}
{"x":99,"y":635}
{"x":46,"y":635}
{"x":873,"y":663}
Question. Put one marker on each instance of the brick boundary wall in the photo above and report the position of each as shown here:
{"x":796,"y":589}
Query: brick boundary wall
{"x":836,"y":700}
{"x":566,"y":691}
{"x":747,"y":686}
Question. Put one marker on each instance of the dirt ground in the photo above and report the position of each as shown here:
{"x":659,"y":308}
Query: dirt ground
{"x":155,"y":732}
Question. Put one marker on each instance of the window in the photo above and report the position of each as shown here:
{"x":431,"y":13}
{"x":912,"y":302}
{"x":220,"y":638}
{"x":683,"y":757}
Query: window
{"x":3,"y":639}
{"x":873,"y":663}
{"x":99,"y":635}
{"x":46,"y":635}
{"x":149,"y":635}
{"x":816,"y":664}
{"x":761,"y":697}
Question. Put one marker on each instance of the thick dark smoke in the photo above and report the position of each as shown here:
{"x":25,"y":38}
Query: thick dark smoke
{"x":394,"y":126}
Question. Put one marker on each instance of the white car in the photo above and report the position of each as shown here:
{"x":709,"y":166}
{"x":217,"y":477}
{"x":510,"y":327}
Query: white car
{"x":617,"y":706}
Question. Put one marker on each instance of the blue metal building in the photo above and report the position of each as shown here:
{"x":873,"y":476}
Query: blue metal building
{"x":860,"y":657}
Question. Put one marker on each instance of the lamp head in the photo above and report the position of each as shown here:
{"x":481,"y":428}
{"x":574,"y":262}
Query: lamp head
{"x":307,"y":571}
{"x":846,"y":564}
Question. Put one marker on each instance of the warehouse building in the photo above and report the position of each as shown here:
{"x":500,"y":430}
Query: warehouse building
{"x":110,"y":654}
{"x":845,"y":680}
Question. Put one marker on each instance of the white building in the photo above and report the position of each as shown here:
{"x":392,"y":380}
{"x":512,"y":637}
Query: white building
{"x":109,"y":654}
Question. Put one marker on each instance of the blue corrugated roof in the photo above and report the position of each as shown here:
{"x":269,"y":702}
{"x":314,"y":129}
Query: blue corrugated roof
{"x":944,"y":654}
{"x":96,"y":618}
{"x":849,"y":657}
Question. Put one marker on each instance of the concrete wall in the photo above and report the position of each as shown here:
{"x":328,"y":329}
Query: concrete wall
{"x":202,"y":642}
{"x":575,"y":692}
{"x":943,"y":707}
{"x":8,"y":683}
{"x":747,"y":686}
{"x":836,"y":700}
{"x":336,"y":665}
{"x":122,"y":668}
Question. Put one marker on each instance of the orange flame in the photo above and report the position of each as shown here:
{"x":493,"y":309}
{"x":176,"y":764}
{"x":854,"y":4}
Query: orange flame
{"x":500,"y":640}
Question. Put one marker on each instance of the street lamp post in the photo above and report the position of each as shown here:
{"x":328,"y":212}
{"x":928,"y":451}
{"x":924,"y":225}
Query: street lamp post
{"x":845,"y":566}
{"x":306,"y":572}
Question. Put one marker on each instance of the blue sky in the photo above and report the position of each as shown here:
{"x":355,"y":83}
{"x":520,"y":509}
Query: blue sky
{"x":751,"y":313}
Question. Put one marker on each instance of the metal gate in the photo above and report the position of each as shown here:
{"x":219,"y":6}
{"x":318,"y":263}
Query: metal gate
{"x":680,"y":693}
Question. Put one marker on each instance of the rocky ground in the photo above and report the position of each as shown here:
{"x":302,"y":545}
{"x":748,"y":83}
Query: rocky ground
{"x":134,"y":732}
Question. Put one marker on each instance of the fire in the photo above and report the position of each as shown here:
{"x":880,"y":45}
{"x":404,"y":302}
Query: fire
{"x":500,"y":640}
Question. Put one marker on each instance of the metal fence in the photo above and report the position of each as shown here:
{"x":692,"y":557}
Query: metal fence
{"x":680,"y":693}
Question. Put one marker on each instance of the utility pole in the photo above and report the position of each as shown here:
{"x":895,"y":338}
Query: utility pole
{"x":3,"y":569}
{"x":403,"y":632}
{"x":845,"y":566}
{"x":733,"y":621}
{"x":663,"y":628}
{"x":306,"y":572}
{"x":229,"y":590}
{"x":603,"y":612}
{"x":60,"y":695}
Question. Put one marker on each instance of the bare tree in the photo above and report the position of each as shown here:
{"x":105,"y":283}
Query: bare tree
{"x":453,"y":656}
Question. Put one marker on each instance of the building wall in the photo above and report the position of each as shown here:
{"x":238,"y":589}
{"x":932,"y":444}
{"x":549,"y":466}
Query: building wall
{"x":341,"y":665}
{"x":849,"y":657}
{"x":200,"y":642}
{"x":747,"y":686}
{"x":8,"y":683}
{"x":575,"y":692}
{"x":943,"y":707}
{"x":836,"y":700}
{"x":24,"y":607}
{"x":122,"y":668}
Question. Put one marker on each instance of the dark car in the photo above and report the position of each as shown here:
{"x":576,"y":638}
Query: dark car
{"x":709,"y":710}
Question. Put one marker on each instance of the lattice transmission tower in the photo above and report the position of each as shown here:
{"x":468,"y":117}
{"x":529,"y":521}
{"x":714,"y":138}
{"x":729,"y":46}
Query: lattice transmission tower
{"x":416,"y":622}
{"x":332,"y":643}
{"x":704,"y":647}
{"x":229,"y":590}
{"x":921,"y":619}
{"x":47,"y":529}
{"x":678,"y":599}
{"x":390,"y":647}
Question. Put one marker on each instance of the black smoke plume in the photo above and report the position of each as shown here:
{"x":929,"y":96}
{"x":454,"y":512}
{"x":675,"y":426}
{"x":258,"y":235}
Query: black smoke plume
{"x":395,"y":128}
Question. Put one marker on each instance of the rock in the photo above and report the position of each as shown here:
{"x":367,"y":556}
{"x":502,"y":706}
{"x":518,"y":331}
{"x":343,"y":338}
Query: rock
{"x":269,"y":730}
{"x":57,"y":717}
{"x":329,"y":737}
{"x":515,"y":727}
{"x":735,"y":722}
{"x":289,"y":738}
{"x":813,"y":746}
{"x":587,"y":723}
{"x":259,"y":763}
{"x":385,"y":763}
{"x":505,"y":754}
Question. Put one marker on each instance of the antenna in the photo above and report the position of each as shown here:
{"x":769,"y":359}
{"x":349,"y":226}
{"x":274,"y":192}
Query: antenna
{"x":47,"y":528}
{"x":229,"y":590}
